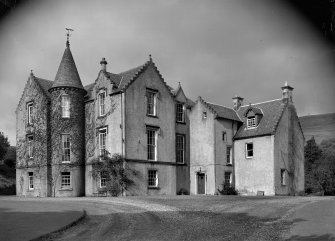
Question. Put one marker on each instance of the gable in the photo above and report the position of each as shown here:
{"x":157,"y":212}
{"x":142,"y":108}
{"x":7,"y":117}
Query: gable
{"x":180,"y":95}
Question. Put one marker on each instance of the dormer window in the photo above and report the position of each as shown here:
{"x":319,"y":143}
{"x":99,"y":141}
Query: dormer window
{"x":251,"y":122}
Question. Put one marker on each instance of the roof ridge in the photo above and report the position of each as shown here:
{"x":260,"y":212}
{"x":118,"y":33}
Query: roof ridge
{"x":221,"y":105}
{"x":260,"y":102}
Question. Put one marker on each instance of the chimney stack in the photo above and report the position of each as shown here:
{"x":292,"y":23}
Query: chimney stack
{"x":287,"y":92}
{"x":237,"y":102}
{"x":103,"y":63}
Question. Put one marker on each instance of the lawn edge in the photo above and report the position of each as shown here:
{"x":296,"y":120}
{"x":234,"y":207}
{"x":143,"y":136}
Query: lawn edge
{"x":48,"y":236}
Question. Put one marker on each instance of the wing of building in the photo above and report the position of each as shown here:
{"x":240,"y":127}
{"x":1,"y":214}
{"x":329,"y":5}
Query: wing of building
{"x":174,"y":144}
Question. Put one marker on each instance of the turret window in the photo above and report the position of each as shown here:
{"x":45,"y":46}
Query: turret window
{"x":65,"y":106}
{"x":65,"y":148}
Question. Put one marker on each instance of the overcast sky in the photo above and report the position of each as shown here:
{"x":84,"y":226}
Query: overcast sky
{"x":216,"y":49}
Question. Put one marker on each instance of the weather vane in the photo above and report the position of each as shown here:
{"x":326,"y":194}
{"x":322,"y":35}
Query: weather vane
{"x":68,"y":36}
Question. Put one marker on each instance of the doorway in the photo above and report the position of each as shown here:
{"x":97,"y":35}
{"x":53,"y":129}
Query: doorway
{"x":201,"y":182}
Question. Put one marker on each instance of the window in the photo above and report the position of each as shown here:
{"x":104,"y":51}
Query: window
{"x":152,"y":143}
{"x":204,"y":115}
{"x":229,"y":155}
{"x":283,"y":177}
{"x":31,"y":180}
{"x":102,"y":141}
{"x":30,"y":139}
{"x":103,"y":179}
{"x":251,"y":122}
{"x":180,"y":112}
{"x":30,"y":113}
{"x":227,"y":178}
{"x":65,"y":106}
{"x":102,"y":98}
{"x":151,"y":102}
{"x":152,"y":178}
{"x":249,"y":150}
{"x":65,"y":148}
{"x":66,"y":180}
{"x":224,"y":136}
{"x":180,"y":148}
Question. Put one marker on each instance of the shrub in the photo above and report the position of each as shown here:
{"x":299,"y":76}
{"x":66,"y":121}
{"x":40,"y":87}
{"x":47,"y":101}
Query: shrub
{"x":227,"y":189}
{"x":8,"y":190}
{"x":182,"y":191}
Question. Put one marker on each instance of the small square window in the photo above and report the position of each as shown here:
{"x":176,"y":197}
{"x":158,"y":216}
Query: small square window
{"x":66,"y":180}
{"x":251,"y":122}
{"x":152,"y":178}
{"x":224,"y":135}
{"x":204,"y":115}
{"x":249,"y":148}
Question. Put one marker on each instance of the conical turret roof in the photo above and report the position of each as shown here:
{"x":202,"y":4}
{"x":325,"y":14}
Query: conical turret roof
{"x":67,"y":74}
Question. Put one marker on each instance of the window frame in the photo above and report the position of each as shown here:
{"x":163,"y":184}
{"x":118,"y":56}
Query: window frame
{"x":102,"y":132}
{"x":230,"y":178}
{"x":204,"y":115}
{"x":180,"y":149}
{"x":229,"y":155}
{"x":65,"y":105}
{"x":102,"y":106}
{"x":30,"y":106}
{"x":66,"y":150}
{"x":152,"y":146}
{"x":224,"y":136}
{"x":247,"y":150}
{"x":31,"y":181}
{"x":251,"y":122}
{"x":66,"y":183}
{"x":151,"y":94}
{"x":30,"y":144}
{"x":180,"y":112}
{"x":283,"y":177}
{"x":155,"y":182}
{"x":103,"y":178}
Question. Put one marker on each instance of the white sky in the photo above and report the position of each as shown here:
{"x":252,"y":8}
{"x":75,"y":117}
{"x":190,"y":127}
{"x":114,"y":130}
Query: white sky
{"x":216,"y":49}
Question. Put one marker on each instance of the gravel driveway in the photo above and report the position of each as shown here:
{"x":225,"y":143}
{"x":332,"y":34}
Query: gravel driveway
{"x":180,"y":217}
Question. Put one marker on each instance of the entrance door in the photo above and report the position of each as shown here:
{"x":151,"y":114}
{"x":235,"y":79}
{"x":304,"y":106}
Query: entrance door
{"x":201,"y":183}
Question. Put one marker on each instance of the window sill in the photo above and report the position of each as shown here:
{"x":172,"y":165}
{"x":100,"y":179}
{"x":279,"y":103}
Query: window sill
{"x":66,"y":189}
{"x":181,"y":122}
{"x":66,"y":162}
{"x":249,"y":157}
{"x":102,"y":116}
{"x":30,"y":190}
{"x":153,"y":116}
{"x":229,"y":164}
{"x":153,"y":188}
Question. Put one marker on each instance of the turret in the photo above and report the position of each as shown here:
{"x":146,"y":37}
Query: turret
{"x":67,"y":123}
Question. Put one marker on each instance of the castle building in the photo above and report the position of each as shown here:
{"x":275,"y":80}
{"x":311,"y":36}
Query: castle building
{"x":174,"y":144}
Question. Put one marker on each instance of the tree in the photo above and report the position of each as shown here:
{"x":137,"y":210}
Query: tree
{"x":4,"y":144}
{"x":312,"y":156}
{"x":115,"y":171}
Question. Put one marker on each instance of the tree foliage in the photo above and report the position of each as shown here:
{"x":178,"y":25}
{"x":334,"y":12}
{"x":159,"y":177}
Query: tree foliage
{"x":320,"y":167}
{"x":4,"y":144}
{"x":115,"y":171}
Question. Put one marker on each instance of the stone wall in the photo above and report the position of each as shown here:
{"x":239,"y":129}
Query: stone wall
{"x":38,"y":129}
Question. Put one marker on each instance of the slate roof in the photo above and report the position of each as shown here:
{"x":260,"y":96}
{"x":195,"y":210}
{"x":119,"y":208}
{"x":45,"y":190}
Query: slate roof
{"x":44,"y":84}
{"x":272,"y":112}
{"x":67,"y":74}
{"x":254,"y":109}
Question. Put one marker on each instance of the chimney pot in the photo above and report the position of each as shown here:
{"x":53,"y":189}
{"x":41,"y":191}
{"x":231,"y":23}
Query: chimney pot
{"x":237,"y":102}
{"x":103,"y":63}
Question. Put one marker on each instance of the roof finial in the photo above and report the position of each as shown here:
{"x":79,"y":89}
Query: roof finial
{"x":179,"y":83}
{"x":31,"y":73}
{"x":286,"y":84}
{"x":150,"y":58}
{"x":68,"y":36}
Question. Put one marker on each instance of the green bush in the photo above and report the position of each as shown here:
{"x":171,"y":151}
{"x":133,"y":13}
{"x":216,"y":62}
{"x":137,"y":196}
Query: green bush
{"x":182,"y":191}
{"x":8,"y":190}
{"x":227,"y":189}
